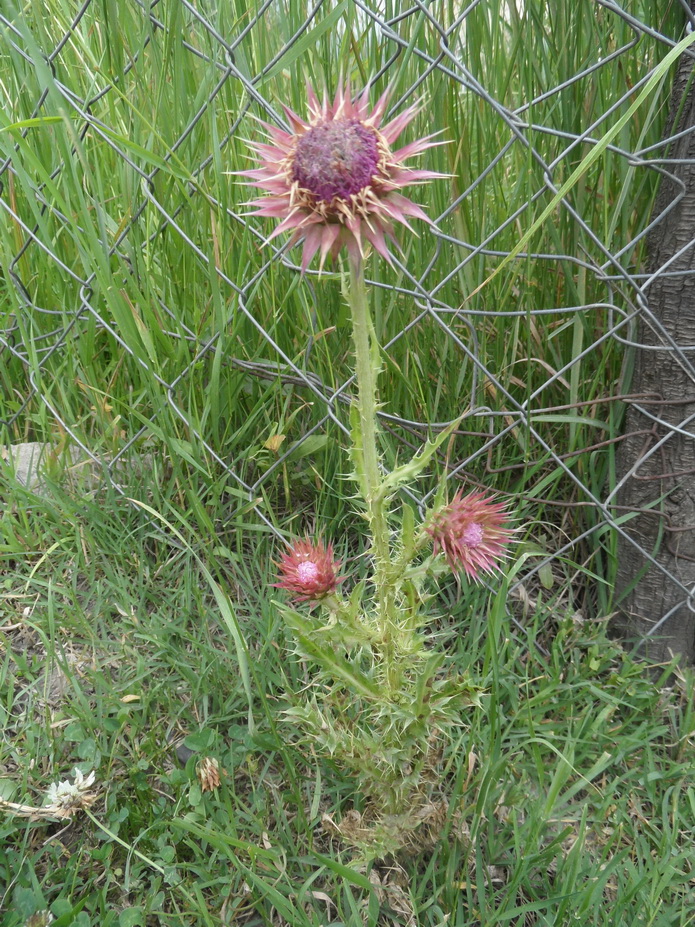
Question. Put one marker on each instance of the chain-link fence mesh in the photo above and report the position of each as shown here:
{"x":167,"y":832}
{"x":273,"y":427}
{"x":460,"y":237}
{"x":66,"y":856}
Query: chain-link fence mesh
{"x":542,"y":410}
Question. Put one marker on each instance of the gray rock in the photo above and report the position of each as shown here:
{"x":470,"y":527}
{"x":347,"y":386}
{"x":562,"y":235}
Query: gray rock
{"x":32,"y":460}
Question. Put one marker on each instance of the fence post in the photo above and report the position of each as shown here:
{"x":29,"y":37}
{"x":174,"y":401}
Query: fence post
{"x":656,"y":460}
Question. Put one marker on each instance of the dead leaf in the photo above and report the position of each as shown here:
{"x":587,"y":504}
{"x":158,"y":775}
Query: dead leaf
{"x":274,"y":443}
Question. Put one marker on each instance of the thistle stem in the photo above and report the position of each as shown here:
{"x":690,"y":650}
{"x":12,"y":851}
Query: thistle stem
{"x":365,"y":436}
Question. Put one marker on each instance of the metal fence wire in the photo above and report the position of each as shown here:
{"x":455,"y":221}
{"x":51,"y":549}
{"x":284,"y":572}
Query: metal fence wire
{"x":232,"y":89}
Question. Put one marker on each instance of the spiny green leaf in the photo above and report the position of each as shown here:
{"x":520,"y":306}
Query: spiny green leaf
{"x":409,"y":471}
{"x":326,"y":657}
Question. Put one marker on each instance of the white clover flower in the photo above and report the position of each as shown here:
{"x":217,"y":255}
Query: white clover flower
{"x":67,"y":796}
{"x":40,"y":919}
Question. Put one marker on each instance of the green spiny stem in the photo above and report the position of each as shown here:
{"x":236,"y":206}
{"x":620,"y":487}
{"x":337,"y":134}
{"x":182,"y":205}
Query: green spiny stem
{"x":366,"y":370}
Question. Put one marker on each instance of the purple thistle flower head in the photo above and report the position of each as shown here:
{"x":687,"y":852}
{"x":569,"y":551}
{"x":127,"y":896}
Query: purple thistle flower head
{"x":308,"y":571}
{"x":334,"y":181}
{"x":473,"y":532}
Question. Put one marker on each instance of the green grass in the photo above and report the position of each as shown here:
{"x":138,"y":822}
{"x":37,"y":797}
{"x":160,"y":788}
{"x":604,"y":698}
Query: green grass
{"x":571,"y":789}
{"x":570,"y":792}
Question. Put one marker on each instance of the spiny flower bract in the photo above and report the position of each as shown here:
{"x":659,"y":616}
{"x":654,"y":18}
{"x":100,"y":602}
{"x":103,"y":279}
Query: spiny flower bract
{"x":473,"y":532}
{"x":308,"y":571}
{"x":334,"y":180}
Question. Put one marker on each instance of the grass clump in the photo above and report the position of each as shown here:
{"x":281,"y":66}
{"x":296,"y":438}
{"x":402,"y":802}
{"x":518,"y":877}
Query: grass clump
{"x":569,"y":784}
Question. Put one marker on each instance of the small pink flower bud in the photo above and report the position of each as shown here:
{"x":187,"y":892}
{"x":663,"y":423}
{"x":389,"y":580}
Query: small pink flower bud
{"x":473,"y":532}
{"x":308,"y":571}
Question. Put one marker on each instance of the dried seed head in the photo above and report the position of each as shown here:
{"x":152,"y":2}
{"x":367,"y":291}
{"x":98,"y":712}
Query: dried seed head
{"x":208,"y":772}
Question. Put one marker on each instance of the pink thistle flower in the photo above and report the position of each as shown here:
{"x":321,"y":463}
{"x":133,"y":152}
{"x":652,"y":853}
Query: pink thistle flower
{"x":308,"y":571}
{"x":473,"y":532}
{"x":334,"y":180}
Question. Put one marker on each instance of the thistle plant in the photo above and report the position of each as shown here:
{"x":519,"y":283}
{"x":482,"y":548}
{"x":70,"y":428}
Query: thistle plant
{"x":384,"y":700}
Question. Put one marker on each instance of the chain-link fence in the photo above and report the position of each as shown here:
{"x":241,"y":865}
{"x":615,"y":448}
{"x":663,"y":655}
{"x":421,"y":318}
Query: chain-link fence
{"x":541,"y":422}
